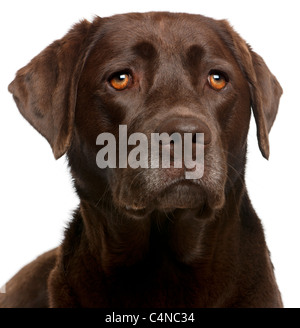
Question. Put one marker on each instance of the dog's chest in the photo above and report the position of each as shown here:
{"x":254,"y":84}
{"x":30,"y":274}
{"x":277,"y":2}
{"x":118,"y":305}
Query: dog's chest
{"x":165,"y":286}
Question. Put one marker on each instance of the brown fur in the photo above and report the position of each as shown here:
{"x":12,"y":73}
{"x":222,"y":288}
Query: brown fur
{"x":182,"y":243}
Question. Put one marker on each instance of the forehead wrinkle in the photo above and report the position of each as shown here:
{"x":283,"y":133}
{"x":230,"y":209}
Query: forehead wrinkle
{"x":170,"y":36}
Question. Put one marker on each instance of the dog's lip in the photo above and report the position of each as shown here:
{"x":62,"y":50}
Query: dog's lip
{"x":134,"y":208}
{"x":137,"y":210}
{"x":134,"y":211}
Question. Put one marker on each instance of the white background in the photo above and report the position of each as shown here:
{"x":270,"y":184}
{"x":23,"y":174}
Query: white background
{"x":36,"y":194}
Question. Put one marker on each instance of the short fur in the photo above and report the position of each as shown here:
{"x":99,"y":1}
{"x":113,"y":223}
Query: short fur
{"x":141,"y":237}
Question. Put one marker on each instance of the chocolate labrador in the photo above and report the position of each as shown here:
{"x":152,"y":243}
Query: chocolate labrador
{"x":150,"y":237}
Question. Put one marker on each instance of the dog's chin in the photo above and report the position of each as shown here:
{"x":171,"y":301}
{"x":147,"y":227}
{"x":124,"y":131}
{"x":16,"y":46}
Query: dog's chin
{"x":178,"y":196}
{"x":183,"y":195}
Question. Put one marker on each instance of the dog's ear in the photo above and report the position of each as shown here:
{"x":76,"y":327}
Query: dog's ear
{"x":264,"y":87}
{"x":45,"y":90}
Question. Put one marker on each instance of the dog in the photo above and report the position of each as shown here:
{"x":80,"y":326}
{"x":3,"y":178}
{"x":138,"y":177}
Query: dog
{"x":149,"y":237}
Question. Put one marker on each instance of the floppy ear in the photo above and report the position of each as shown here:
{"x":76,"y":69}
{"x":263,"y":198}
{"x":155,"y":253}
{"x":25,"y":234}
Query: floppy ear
{"x":45,"y":90}
{"x":264,"y":87}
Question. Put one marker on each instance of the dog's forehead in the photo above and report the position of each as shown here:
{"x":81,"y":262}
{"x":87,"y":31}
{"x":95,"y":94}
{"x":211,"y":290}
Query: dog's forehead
{"x":165,"y":30}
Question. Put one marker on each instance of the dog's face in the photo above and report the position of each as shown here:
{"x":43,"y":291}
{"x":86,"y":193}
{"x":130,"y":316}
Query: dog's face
{"x":155,"y":72}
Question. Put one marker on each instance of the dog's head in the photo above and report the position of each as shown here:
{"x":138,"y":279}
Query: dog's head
{"x":153,"y":73}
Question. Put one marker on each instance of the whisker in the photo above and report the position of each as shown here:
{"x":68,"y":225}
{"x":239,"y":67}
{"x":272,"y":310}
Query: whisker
{"x":132,"y":181}
{"x":102,"y":196}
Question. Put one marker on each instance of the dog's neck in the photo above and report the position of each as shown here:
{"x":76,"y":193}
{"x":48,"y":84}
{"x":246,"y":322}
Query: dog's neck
{"x":180,"y":237}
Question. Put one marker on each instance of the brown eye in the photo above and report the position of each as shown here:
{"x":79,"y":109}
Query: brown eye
{"x":217,"y":80}
{"x":120,"y":81}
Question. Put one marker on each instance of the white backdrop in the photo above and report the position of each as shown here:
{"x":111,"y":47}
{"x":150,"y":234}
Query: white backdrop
{"x":36,"y":194}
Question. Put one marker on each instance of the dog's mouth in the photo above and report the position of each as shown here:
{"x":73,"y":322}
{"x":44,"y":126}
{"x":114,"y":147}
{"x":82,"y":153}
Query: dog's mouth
{"x":179,"y":195}
{"x":138,"y":195}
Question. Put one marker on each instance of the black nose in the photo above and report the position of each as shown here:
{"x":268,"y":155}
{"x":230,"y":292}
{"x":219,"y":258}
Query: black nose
{"x":183,"y":125}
